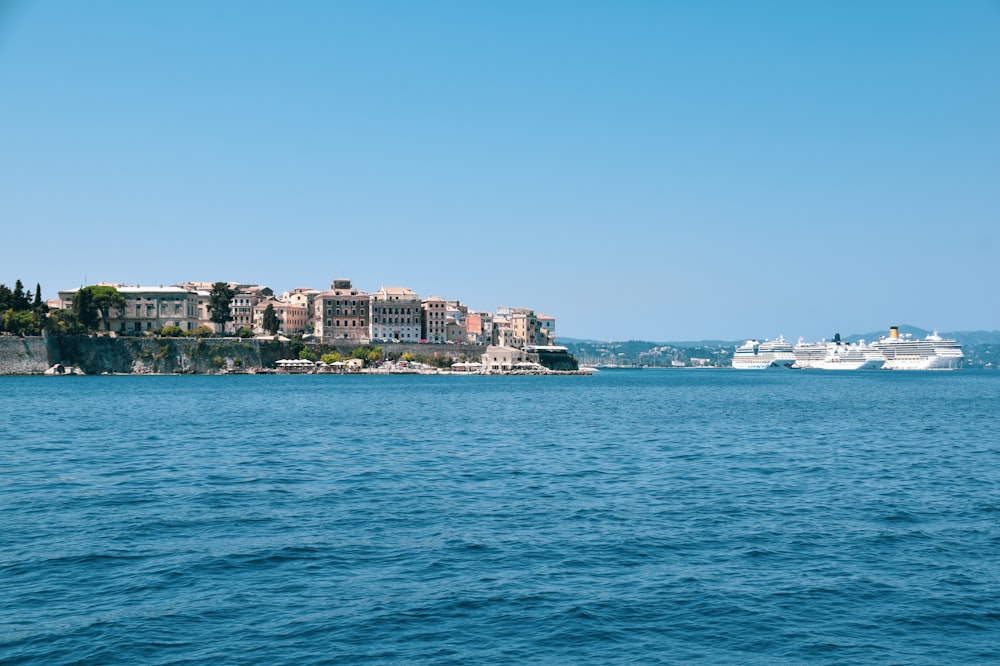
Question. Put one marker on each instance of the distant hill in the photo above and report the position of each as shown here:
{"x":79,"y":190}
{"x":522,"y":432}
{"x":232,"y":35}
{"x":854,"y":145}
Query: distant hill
{"x":962,"y":337}
{"x":975,"y":337}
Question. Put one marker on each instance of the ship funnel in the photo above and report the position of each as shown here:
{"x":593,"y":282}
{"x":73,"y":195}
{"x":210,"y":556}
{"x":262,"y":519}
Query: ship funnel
{"x":893,"y":332}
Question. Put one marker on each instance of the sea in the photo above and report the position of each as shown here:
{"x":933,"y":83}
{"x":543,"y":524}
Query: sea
{"x":696,"y":516}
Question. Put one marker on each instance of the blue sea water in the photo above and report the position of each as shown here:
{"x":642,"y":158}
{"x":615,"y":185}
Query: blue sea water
{"x":631,"y":517}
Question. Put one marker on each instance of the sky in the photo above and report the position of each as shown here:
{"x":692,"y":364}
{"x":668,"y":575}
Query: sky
{"x":637,"y":170}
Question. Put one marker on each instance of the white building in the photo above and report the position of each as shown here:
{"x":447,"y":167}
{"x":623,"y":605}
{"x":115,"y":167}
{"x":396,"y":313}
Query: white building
{"x":395,"y":315}
{"x":149,"y":309}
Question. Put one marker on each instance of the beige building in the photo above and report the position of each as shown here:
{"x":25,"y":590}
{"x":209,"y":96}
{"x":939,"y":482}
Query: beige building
{"x":454,"y":332}
{"x":499,"y":358}
{"x":342,"y":313}
{"x":434,"y":319}
{"x":395,"y":315}
{"x":305,"y":296}
{"x":292,"y":318}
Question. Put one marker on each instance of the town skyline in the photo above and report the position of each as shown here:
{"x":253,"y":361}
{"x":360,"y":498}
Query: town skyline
{"x":871,"y":332}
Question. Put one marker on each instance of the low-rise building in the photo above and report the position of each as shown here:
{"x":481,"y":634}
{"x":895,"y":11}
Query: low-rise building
{"x":500,"y":358}
{"x":147,"y":309}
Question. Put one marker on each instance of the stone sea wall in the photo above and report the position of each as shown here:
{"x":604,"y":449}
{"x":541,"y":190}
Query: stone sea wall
{"x":147,"y":355}
{"x":23,"y":356}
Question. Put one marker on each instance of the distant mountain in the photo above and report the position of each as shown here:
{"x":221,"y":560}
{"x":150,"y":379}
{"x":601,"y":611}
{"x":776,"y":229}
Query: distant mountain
{"x":560,"y":340}
{"x":962,"y":337}
{"x":975,"y":337}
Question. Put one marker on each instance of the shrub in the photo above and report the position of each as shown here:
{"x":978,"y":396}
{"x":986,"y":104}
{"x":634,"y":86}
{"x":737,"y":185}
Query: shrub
{"x":202,"y":332}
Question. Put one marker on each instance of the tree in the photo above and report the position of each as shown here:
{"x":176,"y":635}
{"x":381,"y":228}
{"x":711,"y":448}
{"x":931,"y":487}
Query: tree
{"x":21,"y":300}
{"x":106,"y":298}
{"x":330,"y":357}
{"x":244,"y":332}
{"x":21,"y":322}
{"x":84,"y":309}
{"x":270,"y":321}
{"x":63,"y":322}
{"x":220,"y":300}
{"x":307,"y":355}
{"x":38,"y":296}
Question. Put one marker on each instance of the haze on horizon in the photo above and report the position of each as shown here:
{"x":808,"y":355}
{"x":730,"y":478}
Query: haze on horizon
{"x":639,"y":170}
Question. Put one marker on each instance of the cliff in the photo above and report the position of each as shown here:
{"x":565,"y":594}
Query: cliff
{"x":148,"y":355}
{"x":23,"y":356}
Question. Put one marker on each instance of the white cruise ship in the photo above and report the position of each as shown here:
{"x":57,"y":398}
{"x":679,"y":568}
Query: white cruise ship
{"x":756,"y":355}
{"x":909,"y":353}
{"x":837,"y":355}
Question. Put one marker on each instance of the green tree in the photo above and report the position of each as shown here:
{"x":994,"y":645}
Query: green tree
{"x":171,"y":331}
{"x":104,"y":299}
{"x":21,"y":322}
{"x":84,"y":309}
{"x":330,"y":357}
{"x":63,"y":322}
{"x":307,"y":355}
{"x":21,"y":300}
{"x":220,"y":300}
{"x":94,"y":303}
{"x":6,"y":298}
{"x":244,"y":332}
{"x":270,"y":321}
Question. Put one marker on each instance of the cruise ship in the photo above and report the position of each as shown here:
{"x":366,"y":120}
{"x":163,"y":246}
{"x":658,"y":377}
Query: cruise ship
{"x":837,"y":355}
{"x":756,"y":355}
{"x":909,"y":353}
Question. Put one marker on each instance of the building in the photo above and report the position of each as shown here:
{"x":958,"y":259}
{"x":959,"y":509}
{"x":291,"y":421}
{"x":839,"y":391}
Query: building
{"x":395,"y":315}
{"x":148,"y":309}
{"x":241,"y":308}
{"x":479,"y":328}
{"x":292,"y":318}
{"x":342,"y":314}
{"x":499,"y":358}
{"x":526,"y":327}
{"x":305,"y":296}
{"x":433,"y":319}
{"x":503,"y":330}
{"x":546,"y":329}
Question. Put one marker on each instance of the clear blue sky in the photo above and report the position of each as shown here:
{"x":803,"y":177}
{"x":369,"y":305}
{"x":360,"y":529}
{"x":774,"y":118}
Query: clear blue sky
{"x":654,"y":170}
